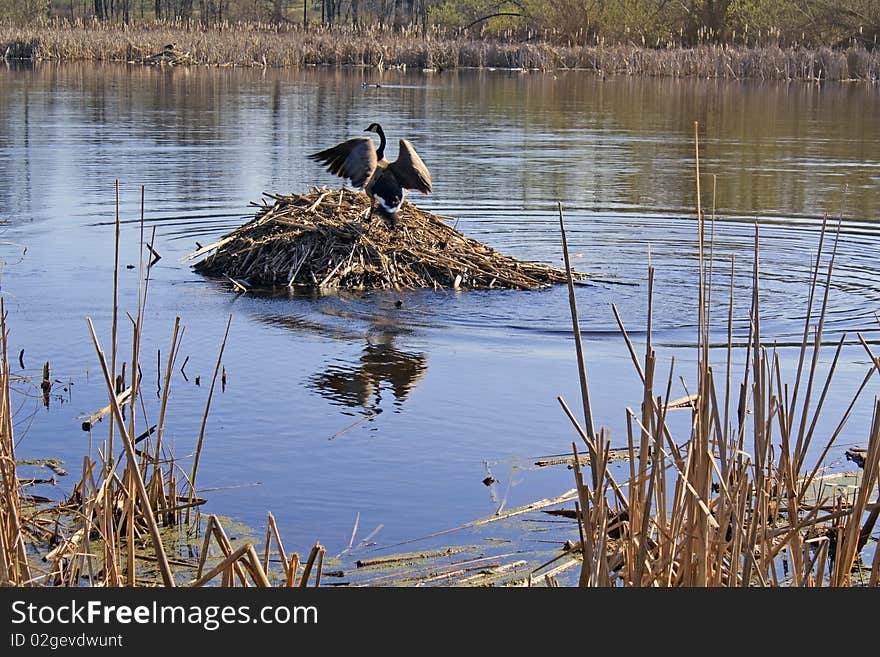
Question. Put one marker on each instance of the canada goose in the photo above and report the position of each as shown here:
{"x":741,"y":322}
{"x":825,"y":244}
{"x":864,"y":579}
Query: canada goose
{"x":358,"y":160}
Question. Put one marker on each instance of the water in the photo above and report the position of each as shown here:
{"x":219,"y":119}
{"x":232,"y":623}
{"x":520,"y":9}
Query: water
{"x":348,"y":406}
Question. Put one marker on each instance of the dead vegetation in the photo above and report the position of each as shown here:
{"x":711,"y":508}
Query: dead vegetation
{"x":736,"y":502}
{"x":249,"y":45}
{"x":323,"y":240}
{"x":133,"y":516}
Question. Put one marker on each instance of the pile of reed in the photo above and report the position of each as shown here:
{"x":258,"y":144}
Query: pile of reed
{"x":322,"y":239}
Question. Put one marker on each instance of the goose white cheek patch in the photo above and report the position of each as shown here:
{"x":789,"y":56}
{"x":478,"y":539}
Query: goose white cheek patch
{"x":389,"y":209}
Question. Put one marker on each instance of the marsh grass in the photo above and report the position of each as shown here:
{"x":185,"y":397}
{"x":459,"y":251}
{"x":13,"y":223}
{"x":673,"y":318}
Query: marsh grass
{"x":291,"y":45}
{"x":736,"y":502}
{"x":132,"y":518}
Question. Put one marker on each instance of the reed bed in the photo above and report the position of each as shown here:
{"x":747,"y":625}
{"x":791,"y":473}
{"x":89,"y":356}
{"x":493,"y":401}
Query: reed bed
{"x":132,"y":519}
{"x":168,"y":56}
{"x":293,"y":46}
{"x":323,"y":239}
{"x":737,"y":502}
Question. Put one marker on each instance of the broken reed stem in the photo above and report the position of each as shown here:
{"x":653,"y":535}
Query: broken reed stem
{"x":583,"y":509}
{"x":701,"y":430}
{"x":130,"y":579}
{"x":195,"y":467}
{"x":149,"y":517}
{"x":291,"y":571}
{"x":206,"y":544}
{"x":225,"y":544}
{"x":701,"y":299}
{"x":809,"y":316}
{"x":163,"y":405}
{"x":317,"y":550}
{"x":319,"y":567}
{"x":135,"y":389}
{"x":802,"y":441}
{"x":95,"y":417}
{"x":590,"y":444}
{"x":282,"y":555}
{"x":15,"y":568}
{"x":227,"y":561}
{"x":138,"y":323}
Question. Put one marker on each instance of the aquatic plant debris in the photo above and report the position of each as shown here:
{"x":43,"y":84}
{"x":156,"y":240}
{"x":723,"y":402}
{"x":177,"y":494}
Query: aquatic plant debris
{"x":323,"y":239}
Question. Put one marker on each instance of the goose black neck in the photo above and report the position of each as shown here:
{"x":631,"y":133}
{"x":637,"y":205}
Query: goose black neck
{"x":381,"y":152}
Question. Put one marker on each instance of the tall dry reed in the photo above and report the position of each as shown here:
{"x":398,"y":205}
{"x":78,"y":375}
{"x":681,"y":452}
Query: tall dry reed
{"x":737,"y":502}
{"x":133,"y":505}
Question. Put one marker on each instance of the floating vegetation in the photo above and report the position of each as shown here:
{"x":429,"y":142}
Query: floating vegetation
{"x":323,"y":239}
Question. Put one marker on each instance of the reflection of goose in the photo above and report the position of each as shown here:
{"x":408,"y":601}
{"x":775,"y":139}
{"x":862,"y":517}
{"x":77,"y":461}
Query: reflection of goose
{"x":380,"y":366}
{"x":358,"y":160}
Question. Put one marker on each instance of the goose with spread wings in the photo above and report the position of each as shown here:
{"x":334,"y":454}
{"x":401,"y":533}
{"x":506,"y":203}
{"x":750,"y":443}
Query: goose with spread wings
{"x":365,"y":166}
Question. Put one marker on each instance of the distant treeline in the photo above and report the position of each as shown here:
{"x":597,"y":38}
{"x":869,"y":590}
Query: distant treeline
{"x":649,"y":23}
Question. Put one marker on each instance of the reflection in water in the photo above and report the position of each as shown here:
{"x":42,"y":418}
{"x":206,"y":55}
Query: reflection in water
{"x":381,"y":367}
{"x":624,"y":144}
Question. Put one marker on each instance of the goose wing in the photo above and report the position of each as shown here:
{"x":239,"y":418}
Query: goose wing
{"x":409,"y":169}
{"x":354,"y":159}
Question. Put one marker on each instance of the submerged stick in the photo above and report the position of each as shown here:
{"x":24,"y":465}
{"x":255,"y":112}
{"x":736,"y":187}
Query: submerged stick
{"x":95,"y":417}
{"x":195,"y":467}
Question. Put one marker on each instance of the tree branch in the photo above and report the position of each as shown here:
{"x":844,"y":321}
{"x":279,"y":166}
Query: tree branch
{"x":485,"y":18}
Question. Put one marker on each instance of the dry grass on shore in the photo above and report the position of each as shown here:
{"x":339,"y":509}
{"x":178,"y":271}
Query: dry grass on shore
{"x":248,"y":45}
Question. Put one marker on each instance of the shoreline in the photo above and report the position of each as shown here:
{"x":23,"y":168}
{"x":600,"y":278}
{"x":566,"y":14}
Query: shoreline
{"x":262,"y":46}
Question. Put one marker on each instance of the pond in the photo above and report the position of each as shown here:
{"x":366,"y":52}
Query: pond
{"x":390,"y":408}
